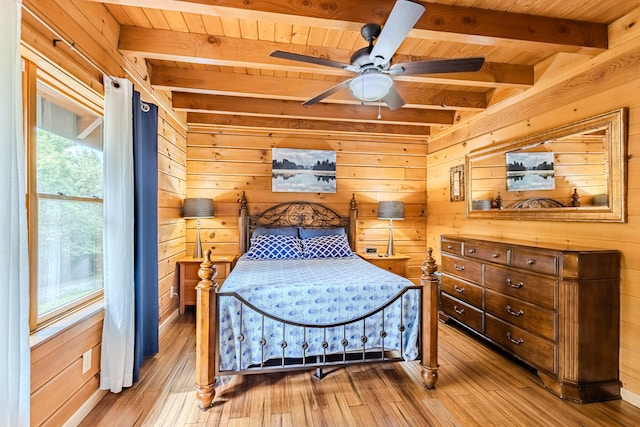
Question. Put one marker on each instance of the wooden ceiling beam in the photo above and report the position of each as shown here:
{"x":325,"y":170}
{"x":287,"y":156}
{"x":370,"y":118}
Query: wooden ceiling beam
{"x":200,"y":119}
{"x":220,"y":104}
{"x":213,"y":82}
{"x":228,"y":51}
{"x":440,"y":22}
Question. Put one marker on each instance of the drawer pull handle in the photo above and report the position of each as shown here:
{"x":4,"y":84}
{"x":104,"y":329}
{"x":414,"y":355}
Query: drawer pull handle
{"x":515,"y":341}
{"x":514,"y":285}
{"x":472,"y":251}
{"x":531,"y":261}
{"x":449,"y":246}
{"x":458,"y":289}
{"x":458,"y":310}
{"x":514,"y":313}
{"x":495,"y":255}
{"x":458,"y":267}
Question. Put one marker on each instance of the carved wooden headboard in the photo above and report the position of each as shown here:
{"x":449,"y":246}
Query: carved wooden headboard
{"x":538,"y":203}
{"x":297,"y":214}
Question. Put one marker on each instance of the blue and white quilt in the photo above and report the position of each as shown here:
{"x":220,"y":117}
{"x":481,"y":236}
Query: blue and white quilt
{"x":320,"y":292}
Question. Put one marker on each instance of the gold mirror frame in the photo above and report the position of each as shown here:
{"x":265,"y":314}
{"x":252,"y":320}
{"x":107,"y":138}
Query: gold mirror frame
{"x":533,"y":205}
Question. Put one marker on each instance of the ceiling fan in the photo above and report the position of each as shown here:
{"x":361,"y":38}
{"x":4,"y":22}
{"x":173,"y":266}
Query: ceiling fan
{"x":373,"y":62}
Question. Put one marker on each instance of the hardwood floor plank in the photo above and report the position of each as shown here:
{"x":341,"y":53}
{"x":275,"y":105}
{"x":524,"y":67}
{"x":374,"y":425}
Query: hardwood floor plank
{"x":280,"y":393}
{"x":477,"y":386}
{"x":438,"y":414}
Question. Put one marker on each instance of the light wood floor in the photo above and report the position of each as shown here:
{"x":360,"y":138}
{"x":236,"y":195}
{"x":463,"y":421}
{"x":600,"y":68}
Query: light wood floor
{"x":477,"y":387}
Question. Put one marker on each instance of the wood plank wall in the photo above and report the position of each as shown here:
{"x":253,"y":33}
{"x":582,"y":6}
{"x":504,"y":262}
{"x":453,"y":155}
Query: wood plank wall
{"x":171,"y":227}
{"x":59,"y":388}
{"x":222,"y":163}
{"x":611,"y":85}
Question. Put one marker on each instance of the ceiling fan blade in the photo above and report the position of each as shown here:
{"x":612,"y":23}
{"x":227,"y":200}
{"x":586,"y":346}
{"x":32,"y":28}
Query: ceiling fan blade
{"x":327,"y":92}
{"x":460,"y":65}
{"x":309,"y":59}
{"x":393,"y":99}
{"x":402,"y":18}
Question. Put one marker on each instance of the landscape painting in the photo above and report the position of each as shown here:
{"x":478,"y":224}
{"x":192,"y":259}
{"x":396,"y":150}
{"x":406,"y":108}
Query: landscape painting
{"x":309,"y":171}
{"x":530,"y":171}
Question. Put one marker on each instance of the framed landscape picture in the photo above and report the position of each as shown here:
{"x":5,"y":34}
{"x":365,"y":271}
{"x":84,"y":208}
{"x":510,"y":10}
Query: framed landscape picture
{"x":307,"y":171}
{"x":530,"y":171}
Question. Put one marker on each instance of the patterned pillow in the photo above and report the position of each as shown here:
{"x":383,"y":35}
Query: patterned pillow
{"x":335,"y":246}
{"x":273,"y":246}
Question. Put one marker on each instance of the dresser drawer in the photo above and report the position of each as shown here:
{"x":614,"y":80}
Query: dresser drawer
{"x":528,"y":347}
{"x":531,"y":317}
{"x":530,"y":287}
{"x":463,"y":312}
{"x":462,"y":267}
{"x":535,"y":261}
{"x":451,"y":247}
{"x":496,"y":254}
{"x":465,"y":291}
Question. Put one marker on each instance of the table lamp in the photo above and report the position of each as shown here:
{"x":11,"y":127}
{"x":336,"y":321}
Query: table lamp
{"x":390,"y":210}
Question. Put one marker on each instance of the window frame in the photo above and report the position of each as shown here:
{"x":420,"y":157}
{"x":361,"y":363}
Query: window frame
{"x":86,"y":98}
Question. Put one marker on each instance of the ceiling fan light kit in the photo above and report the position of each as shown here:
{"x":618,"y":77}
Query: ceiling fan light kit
{"x":373,"y":63}
{"x":371,"y":86}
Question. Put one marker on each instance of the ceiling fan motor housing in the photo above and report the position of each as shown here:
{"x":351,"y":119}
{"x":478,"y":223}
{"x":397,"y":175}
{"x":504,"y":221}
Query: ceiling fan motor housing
{"x":360,"y":57}
{"x":370,"y":32}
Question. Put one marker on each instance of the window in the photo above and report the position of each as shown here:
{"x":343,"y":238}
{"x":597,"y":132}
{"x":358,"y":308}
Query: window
{"x":65,"y":204}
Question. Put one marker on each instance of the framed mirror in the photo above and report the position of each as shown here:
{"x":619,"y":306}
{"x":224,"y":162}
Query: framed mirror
{"x":576,"y":172}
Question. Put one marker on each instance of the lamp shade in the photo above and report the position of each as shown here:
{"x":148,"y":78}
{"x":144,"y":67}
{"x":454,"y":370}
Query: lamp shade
{"x":371,"y":86}
{"x":197,"y":208}
{"x":391,"y":210}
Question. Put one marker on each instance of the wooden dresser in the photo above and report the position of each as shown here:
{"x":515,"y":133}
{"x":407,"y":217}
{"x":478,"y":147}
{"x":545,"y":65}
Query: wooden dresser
{"x":557,"y":310}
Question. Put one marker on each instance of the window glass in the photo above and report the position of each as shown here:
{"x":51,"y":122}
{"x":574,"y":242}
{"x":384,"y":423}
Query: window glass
{"x":69,"y":203}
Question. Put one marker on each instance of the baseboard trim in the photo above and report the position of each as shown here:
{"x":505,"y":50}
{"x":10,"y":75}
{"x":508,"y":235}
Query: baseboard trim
{"x":630,"y":397}
{"x":173,"y":316}
{"x":84,"y":410}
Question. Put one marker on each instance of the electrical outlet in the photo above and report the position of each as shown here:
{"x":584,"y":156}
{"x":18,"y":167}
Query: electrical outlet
{"x":86,"y":361}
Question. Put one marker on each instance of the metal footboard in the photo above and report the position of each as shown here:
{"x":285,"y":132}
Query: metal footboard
{"x":295,"y":352}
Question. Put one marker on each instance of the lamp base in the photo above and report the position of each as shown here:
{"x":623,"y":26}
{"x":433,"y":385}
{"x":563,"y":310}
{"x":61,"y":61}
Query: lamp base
{"x":197,"y":249}
{"x":390,"y":250}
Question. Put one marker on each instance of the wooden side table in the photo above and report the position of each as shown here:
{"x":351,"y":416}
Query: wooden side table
{"x":396,"y":263}
{"x":189,"y":266}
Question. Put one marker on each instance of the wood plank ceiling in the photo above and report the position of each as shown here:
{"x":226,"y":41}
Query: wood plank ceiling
{"x":213,"y":56}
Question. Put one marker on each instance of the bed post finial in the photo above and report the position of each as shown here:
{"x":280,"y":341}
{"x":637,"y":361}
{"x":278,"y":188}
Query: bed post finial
{"x":429,"y":266}
{"x":353,"y":222}
{"x":243,"y":202}
{"x":242,"y":224}
{"x":429,"y":282}
{"x":205,"y":312}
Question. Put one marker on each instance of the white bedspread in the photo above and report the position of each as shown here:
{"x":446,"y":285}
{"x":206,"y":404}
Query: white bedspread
{"x":316,"y":292}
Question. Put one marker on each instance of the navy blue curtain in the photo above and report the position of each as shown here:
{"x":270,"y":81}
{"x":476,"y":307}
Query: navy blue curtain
{"x":145,"y":163}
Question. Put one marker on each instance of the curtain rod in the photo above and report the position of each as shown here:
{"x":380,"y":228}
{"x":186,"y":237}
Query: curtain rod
{"x":140,"y":81}
{"x":70,"y":45}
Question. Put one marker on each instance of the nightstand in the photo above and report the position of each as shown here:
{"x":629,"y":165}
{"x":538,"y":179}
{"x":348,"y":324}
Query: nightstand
{"x":188,"y":269}
{"x":396,"y":263}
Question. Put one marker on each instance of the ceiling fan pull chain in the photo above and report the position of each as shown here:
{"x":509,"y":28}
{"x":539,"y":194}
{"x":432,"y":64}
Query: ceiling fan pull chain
{"x":379,"y":115}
